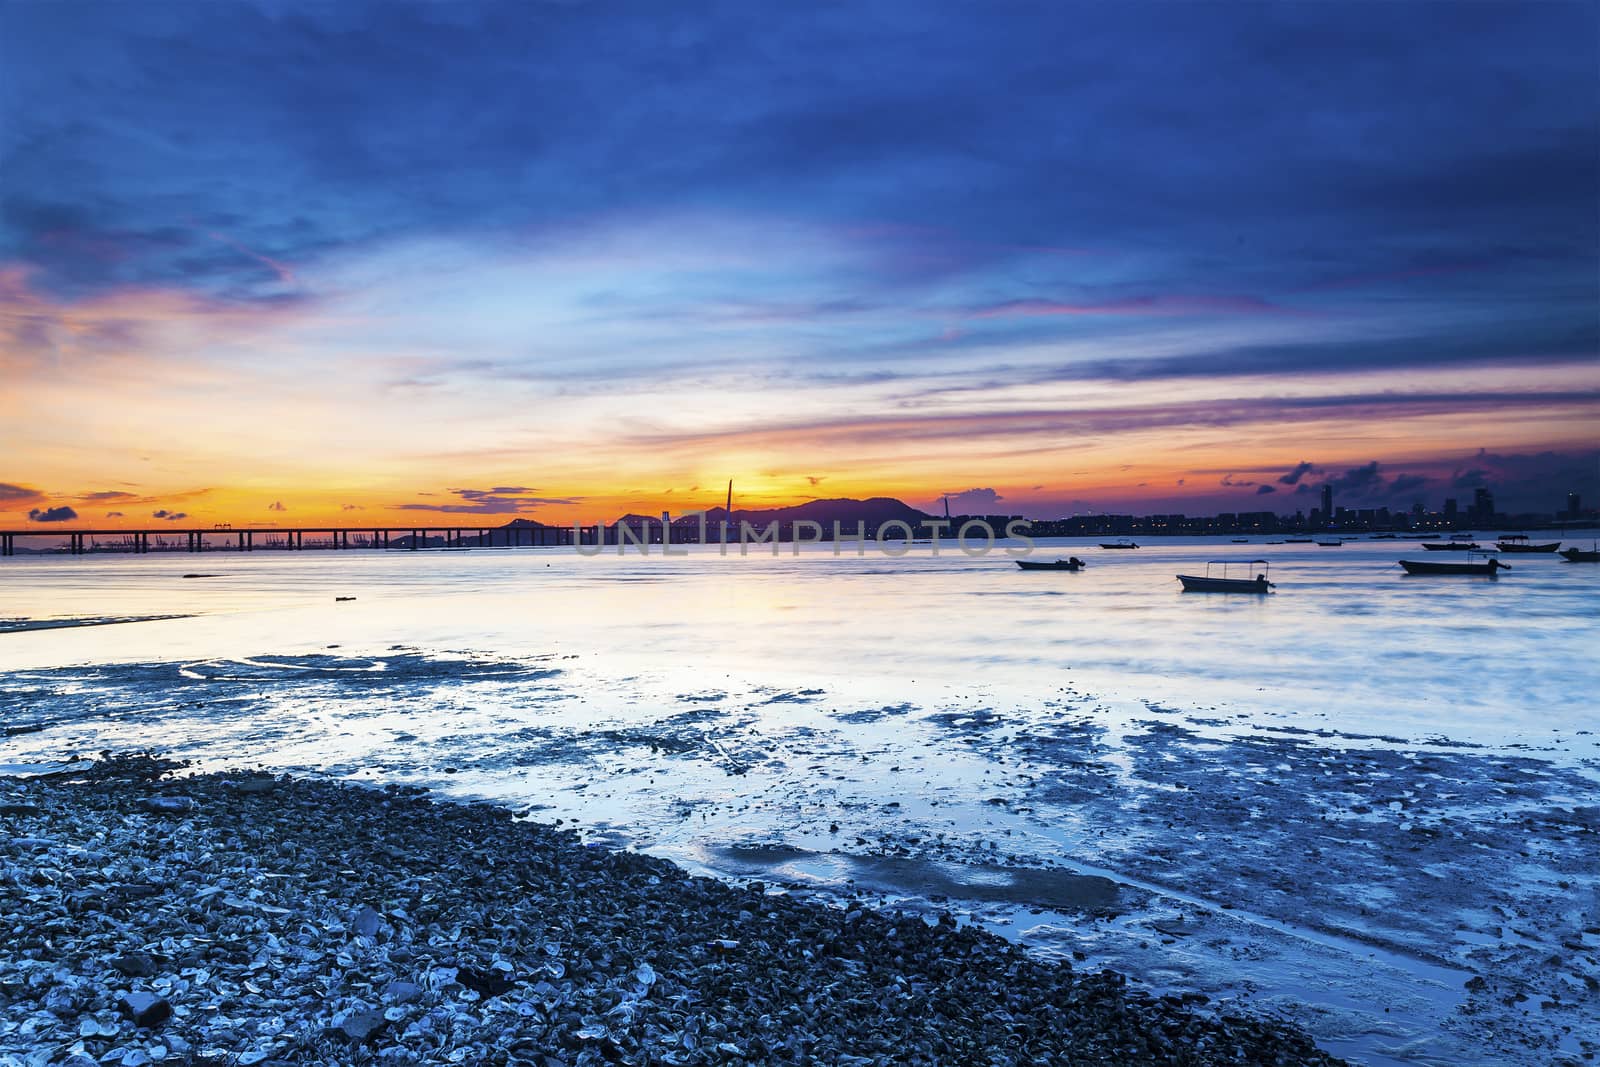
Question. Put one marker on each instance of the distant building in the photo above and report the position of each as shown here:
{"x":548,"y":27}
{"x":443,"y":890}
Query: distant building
{"x":1482,"y":510}
{"x":1574,"y":506}
{"x":1327,"y":502}
{"x":1450,"y":512}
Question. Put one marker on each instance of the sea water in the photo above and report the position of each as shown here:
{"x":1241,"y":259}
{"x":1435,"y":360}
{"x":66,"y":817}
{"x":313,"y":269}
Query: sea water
{"x":932,"y":726}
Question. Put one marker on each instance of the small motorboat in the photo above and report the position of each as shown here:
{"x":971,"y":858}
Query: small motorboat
{"x":1581,"y":555}
{"x":1452,"y":546}
{"x":1519,"y":543}
{"x":1480,"y":568}
{"x":1118,"y":544}
{"x":1072,"y":564}
{"x":1297,"y":540}
{"x":1207,"y":583}
{"x":1329,"y":544}
{"x":1241,"y":540}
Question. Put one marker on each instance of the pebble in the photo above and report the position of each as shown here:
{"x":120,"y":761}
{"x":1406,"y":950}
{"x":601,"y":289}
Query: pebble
{"x":323,"y":923}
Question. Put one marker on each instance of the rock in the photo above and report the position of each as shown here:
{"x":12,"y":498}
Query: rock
{"x":167,"y":805}
{"x":363,"y":1025}
{"x":135,"y":965}
{"x":488,"y":982}
{"x":366,"y":922}
{"x":402,"y":992}
{"x":145,"y":1009}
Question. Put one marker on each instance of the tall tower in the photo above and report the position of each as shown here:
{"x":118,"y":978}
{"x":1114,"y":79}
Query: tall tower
{"x":1327,"y":503}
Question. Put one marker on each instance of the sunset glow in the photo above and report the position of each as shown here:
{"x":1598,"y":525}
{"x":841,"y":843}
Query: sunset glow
{"x":606,"y":287}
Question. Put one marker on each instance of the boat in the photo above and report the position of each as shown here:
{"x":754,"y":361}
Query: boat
{"x":1481,"y":568}
{"x":1072,"y":564}
{"x":1516,"y":543}
{"x":1241,"y":540}
{"x":1581,"y":555}
{"x":1206,"y":583}
{"x":1118,"y":544}
{"x":1329,"y":544}
{"x":1297,"y":540}
{"x":1452,"y":546}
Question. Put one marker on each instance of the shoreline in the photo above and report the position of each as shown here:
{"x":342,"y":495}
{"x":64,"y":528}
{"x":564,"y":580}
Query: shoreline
{"x":298,"y":920}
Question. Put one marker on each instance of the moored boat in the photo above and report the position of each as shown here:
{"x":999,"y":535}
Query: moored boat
{"x":1329,"y":544}
{"x":1208,"y":583}
{"x":1481,"y":568}
{"x":1581,"y":555}
{"x":1073,"y":564}
{"x":1452,"y":546}
{"x":1118,"y":544}
{"x":1520,"y":543}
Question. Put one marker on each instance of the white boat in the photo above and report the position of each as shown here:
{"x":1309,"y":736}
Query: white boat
{"x":1208,"y":583}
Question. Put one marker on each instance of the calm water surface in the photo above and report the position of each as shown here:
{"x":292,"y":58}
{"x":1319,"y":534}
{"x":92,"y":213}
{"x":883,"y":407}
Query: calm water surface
{"x":1347,"y":641}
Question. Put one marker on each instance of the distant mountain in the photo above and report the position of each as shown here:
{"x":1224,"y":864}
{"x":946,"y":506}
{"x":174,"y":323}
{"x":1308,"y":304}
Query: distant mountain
{"x":870,"y":514}
{"x":874,"y":512}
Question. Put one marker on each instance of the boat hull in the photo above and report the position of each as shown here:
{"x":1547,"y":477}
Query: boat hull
{"x":1058,"y":565}
{"x":1513,"y":547}
{"x":1451,"y":546}
{"x":1581,"y":555}
{"x":1118,"y":546}
{"x":1198,"y":584}
{"x":1482,"y":570}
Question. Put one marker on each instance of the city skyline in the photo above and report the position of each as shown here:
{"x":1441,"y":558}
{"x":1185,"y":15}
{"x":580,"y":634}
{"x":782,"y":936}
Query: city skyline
{"x":261,"y":262}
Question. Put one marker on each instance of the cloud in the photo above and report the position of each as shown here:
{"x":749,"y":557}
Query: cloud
{"x":276,"y":505}
{"x":113,"y":514}
{"x":169,"y":516}
{"x":1300,"y":470}
{"x":18,"y":493}
{"x":973,"y":501}
{"x":1228,"y":480}
{"x":1407,"y":483}
{"x":1357,"y":481}
{"x":1136,"y":305}
{"x":1262,"y":490}
{"x":56,"y":514}
{"x":1067,"y":422}
{"x":351,"y":507}
{"x":106,"y":497}
{"x":1471,"y":478}
{"x":504,"y":500}
{"x":815,"y":479}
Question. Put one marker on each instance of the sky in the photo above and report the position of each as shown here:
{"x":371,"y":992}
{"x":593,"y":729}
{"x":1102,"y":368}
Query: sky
{"x":275,"y":263}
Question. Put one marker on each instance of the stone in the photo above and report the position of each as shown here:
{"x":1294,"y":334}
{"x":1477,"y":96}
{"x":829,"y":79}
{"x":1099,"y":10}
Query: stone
{"x":362,"y":1025}
{"x":145,"y":1009}
{"x":366,"y":922}
{"x":135,"y":965}
{"x":402,"y":992}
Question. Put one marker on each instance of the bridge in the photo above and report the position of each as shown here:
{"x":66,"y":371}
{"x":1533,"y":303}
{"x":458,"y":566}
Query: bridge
{"x":225,"y":539}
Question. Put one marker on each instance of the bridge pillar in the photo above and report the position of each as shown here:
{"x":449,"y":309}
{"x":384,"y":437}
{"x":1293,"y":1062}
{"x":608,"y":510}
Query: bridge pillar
{"x":300,"y":540}
{"x":414,"y":539}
